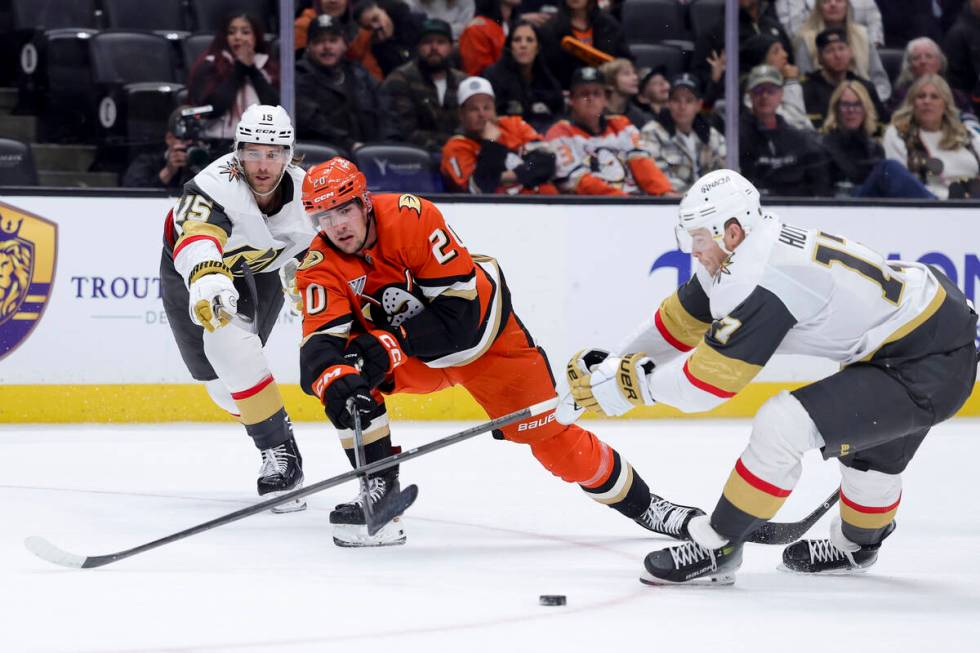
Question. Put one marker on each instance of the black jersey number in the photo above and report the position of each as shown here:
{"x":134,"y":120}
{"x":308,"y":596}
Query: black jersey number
{"x":891,"y":286}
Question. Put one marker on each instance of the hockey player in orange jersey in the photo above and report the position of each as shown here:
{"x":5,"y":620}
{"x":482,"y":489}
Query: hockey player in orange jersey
{"x":393,"y":302}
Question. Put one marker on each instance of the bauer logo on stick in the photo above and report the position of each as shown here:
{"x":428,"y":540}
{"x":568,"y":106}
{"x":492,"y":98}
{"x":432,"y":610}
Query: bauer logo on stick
{"x":28,"y":248}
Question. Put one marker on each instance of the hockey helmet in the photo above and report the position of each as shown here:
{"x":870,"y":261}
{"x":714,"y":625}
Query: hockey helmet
{"x":332,"y":183}
{"x":713,"y":200}
{"x":264,"y":124}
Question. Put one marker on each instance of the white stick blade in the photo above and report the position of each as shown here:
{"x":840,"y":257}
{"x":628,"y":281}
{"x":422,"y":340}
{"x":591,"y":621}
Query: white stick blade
{"x":47,"y":551}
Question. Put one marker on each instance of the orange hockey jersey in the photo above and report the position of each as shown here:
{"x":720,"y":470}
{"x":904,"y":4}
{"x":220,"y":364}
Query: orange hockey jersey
{"x":445,"y":305}
{"x":481,"y":44}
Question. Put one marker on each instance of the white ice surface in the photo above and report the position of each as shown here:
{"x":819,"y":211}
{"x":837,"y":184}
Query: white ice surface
{"x":490,"y":532}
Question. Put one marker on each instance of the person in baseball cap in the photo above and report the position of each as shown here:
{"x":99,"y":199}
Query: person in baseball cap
{"x":762,"y":75}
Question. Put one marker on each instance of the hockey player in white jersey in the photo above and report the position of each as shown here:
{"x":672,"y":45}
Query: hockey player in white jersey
{"x":903,"y":333}
{"x":230,"y":246}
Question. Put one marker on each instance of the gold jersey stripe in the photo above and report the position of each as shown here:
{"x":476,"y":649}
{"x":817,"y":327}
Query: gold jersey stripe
{"x":914,"y":323}
{"x":869,"y":520}
{"x":681,"y":324}
{"x":260,"y":406}
{"x":750,"y":499}
{"x":723,"y":372}
{"x":196,"y":228}
{"x":468,"y":295}
{"x":367,"y":438}
{"x":623,"y":490}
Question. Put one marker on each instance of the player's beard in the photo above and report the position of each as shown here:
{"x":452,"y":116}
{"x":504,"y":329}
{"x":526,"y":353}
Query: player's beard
{"x":441,"y":66}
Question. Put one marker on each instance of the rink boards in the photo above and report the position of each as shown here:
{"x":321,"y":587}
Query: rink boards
{"x":88,"y":339}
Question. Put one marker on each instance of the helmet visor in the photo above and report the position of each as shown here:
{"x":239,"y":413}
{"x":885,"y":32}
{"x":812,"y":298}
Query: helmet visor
{"x":336,"y":216}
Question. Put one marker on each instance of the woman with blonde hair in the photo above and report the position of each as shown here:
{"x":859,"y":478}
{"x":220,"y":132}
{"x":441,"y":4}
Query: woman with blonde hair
{"x":858,"y":166}
{"x":622,"y":87}
{"x":838,"y":13}
{"x":928,"y":138}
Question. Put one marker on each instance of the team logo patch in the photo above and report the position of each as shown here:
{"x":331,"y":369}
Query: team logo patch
{"x":357,"y":285}
{"x":232,"y":169}
{"x":312,"y":258}
{"x":410,"y":202}
{"x":28,"y":248}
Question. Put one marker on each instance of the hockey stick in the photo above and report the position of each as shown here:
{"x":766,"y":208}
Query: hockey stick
{"x":43,"y":549}
{"x":392,"y":504}
{"x":789,"y":532}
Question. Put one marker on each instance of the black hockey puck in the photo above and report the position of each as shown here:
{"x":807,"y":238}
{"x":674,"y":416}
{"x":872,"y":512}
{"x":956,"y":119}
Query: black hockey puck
{"x":552,"y":599}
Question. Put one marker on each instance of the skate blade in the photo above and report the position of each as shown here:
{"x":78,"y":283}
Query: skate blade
{"x":290,"y":506}
{"x":717,"y":580}
{"x":353,"y":536}
{"x":850,"y":571}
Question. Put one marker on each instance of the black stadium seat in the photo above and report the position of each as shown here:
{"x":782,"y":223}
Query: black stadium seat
{"x":891,"y":59}
{"x":67,"y":95}
{"x":648,"y":55}
{"x":398,"y":168}
{"x":208,"y":14}
{"x":193,"y":47}
{"x":652,"y":21}
{"x":314,"y":153}
{"x":705,"y":14}
{"x":155,"y":15}
{"x":39,"y":15}
{"x":16,"y":164}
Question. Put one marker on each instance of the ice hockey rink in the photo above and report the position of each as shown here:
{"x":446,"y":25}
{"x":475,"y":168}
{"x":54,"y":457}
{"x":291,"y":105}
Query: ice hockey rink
{"x":491,"y":531}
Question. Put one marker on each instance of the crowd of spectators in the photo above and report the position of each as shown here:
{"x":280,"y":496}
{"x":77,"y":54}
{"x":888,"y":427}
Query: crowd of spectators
{"x":530,"y":97}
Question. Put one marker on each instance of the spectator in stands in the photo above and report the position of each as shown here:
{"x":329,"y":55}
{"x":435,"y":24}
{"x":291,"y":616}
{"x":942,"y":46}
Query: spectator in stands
{"x":234,"y":73}
{"x":338,"y":9}
{"x":685,"y":146}
{"x":584,"y":21}
{"x":963,"y":48}
{"x":777,"y":158}
{"x":421,"y":95}
{"x":754,"y":17}
{"x":923,"y":56}
{"x":866,"y":61}
{"x":394,"y":31}
{"x":495,"y":155}
{"x":337,"y":100}
{"x":168,"y":170}
{"x":905,"y":20}
{"x":458,"y":13}
{"x":654,"y":93}
{"x":766,"y":49}
{"x":793,"y":14}
{"x":834,"y":58}
{"x":858,"y":166}
{"x":623,"y":87}
{"x":599,"y":154}
{"x":522,"y":83}
{"x":927,"y":137}
{"x":482,"y":42}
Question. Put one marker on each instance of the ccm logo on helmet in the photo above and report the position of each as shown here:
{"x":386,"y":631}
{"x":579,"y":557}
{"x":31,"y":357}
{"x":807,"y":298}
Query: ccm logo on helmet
{"x":527,"y":426}
{"x":714,"y":184}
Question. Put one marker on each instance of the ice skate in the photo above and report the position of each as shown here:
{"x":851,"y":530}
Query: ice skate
{"x":281,"y":472}
{"x":836,"y":555}
{"x":708,"y":559}
{"x":349,"y":525}
{"x":668,"y":518}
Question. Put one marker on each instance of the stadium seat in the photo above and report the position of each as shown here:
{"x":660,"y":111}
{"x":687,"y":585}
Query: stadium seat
{"x":208,"y":14}
{"x":652,"y":21}
{"x":191,"y":48}
{"x":121,"y":59}
{"x":66,"y":96}
{"x":398,"y":168}
{"x":649,"y":55}
{"x":40,"y":15}
{"x":156,"y":15}
{"x":16,"y":164}
{"x":891,"y":59}
{"x":705,"y":14}
{"x":314,"y":153}
{"x":148,"y":107}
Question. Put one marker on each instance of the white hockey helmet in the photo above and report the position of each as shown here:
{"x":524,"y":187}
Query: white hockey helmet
{"x":264,"y":124}
{"x":713,"y":200}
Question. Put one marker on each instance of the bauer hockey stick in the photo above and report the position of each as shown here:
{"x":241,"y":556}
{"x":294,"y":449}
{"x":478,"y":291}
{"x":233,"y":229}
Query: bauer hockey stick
{"x":45,"y":550}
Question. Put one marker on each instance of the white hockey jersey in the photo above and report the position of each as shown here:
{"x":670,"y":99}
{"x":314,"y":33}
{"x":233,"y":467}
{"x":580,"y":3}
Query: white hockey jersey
{"x":783,"y":290}
{"x":217,"y":219}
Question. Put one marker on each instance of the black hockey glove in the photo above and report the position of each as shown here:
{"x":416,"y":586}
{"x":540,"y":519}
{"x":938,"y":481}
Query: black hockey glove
{"x":375,"y":354}
{"x":538,"y":168}
{"x":346,"y":388}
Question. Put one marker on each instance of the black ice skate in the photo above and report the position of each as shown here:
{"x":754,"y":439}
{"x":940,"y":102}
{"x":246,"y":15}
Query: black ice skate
{"x":692,"y":564}
{"x":281,"y":472}
{"x":668,"y":518}
{"x":388,"y":502}
{"x":831,"y":557}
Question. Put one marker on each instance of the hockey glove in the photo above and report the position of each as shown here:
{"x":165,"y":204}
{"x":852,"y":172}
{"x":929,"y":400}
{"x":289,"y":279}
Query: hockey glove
{"x":538,"y":168}
{"x":336,"y":387}
{"x":287,"y":274}
{"x":375,"y":354}
{"x":213,"y":298}
{"x":614,"y":386}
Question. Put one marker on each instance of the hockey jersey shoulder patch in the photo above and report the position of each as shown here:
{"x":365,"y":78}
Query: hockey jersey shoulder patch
{"x":312,"y":258}
{"x":410,"y":202}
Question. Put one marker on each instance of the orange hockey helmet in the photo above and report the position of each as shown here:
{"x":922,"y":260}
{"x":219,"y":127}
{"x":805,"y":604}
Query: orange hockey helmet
{"x":333,"y":183}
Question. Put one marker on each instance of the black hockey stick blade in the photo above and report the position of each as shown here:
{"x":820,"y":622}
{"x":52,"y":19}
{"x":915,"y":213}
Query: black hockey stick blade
{"x":391,"y":505}
{"x":789,"y":532}
{"x":48,"y":551}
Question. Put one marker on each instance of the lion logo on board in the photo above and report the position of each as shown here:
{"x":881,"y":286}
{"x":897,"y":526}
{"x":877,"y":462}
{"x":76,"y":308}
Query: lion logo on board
{"x":410,"y":202}
{"x":27,"y":257}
